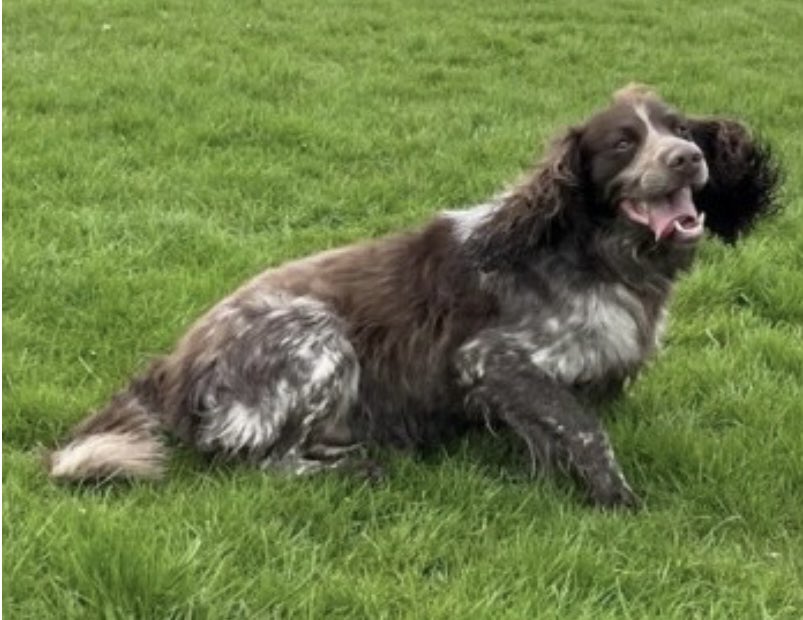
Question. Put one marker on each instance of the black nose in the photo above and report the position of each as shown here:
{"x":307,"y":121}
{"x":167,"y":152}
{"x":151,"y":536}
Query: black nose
{"x":685,"y":157}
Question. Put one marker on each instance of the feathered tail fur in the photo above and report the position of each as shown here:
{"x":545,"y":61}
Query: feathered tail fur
{"x":122,"y":440}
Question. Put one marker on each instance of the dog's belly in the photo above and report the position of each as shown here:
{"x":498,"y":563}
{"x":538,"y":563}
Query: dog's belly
{"x":407,"y":412}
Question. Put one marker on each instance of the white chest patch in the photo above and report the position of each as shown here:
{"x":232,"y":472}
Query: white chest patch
{"x":599,"y":335}
{"x":466,"y":221}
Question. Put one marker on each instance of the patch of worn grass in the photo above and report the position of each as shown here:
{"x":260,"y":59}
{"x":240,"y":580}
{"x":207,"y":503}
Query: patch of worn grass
{"x":155,"y":154}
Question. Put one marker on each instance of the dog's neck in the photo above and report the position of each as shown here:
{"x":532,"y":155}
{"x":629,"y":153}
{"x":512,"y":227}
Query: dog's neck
{"x":638,"y":263}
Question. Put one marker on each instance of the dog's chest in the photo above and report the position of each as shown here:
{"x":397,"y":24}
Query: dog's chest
{"x":592,"y":335}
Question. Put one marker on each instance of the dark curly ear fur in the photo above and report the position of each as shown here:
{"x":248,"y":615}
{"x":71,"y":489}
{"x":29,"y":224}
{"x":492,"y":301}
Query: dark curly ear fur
{"x":536,"y":213}
{"x":743,"y":177}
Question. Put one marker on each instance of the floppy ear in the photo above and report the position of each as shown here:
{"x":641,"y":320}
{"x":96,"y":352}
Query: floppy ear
{"x":537,"y":212}
{"x":743,"y":177}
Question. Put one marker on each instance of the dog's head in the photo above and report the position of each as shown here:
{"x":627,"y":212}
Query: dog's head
{"x":671,"y":175}
{"x":637,"y":175}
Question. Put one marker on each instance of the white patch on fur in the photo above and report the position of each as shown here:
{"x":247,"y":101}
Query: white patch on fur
{"x":585,"y":438}
{"x":652,"y":132}
{"x":552,"y":325}
{"x":241,"y":427}
{"x":600,"y":333}
{"x":466,"y":221}
{"x":660,"y":327}
{"x":472,"y":368}
{"x":324,"y":366}
{"x":109,"y":455}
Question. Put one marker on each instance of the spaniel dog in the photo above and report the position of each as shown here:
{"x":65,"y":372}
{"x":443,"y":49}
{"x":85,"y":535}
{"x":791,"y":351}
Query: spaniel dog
{"x":524,"y":312}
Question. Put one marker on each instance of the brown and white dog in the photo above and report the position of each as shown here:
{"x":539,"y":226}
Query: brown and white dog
{"x":522,"y":311}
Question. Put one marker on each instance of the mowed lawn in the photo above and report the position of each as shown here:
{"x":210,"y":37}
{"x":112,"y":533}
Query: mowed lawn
{"x":155,"y":154}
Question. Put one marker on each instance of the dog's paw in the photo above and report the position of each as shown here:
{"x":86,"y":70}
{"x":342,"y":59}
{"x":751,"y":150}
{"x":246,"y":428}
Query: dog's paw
{"x":367,"y":470}
{"x":613,"y":492}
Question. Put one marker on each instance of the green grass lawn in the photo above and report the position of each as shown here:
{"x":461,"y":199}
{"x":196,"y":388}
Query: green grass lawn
{"x":157,"y":153}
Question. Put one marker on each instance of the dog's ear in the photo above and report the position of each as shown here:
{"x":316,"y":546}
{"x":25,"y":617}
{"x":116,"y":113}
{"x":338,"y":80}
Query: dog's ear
{"x":744,"y":177}
{"x":536,"y":212}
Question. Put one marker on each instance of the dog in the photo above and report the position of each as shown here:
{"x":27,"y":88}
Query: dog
{"x":524,"y":311}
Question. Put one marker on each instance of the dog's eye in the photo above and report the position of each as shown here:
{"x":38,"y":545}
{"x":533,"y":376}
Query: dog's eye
{"x":623,"y":144}
{"x":682,"y":129}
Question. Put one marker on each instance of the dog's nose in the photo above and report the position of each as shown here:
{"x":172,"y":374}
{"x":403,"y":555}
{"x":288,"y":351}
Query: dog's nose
{"x":684,"y":158}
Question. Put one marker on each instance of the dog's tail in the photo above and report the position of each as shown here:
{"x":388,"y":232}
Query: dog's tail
{"x":122,"y":440}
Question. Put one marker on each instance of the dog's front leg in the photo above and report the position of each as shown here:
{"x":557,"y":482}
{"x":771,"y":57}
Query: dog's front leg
{"x":503,"y":383}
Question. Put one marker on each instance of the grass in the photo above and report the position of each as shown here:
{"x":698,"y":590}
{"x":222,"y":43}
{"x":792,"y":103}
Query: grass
{"x":157,"y":153}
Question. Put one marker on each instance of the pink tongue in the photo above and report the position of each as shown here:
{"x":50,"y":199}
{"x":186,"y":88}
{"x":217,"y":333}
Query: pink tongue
{"x":677,"y":207}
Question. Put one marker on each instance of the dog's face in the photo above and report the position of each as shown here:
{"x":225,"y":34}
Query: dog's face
{"x":641,"y":158}
{"x":637,"y":173}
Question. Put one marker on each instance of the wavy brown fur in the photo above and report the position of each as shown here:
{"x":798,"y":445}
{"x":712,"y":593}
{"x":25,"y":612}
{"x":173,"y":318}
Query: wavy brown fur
{"x":534,"y":213}
{"x":523,"y":312}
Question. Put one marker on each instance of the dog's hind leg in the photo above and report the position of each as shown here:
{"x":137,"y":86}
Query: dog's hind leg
{"x":278,"y":386}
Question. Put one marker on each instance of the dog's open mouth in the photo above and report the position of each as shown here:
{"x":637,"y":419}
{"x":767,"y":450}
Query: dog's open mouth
{"x":672,"y":216}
